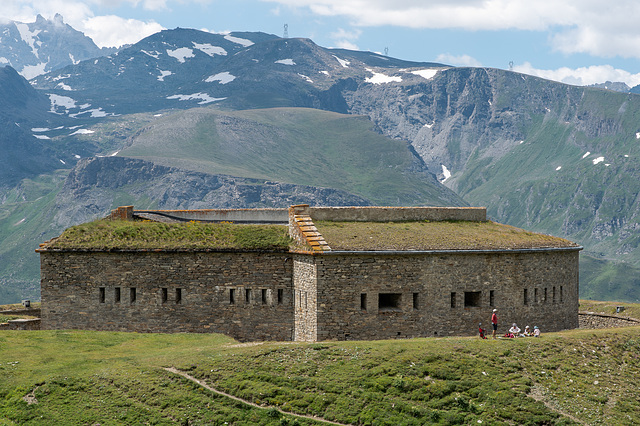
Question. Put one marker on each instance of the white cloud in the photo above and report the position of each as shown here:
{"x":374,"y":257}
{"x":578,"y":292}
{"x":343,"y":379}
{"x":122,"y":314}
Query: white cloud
{"x":582,"y":76}
{"x":590,"y":26}
{"x":116,"y":31}
{"x":460,"y":61}
{"x":346,"y":39}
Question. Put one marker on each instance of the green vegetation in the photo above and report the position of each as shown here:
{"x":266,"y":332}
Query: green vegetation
{"x":426,"y":235}
{"x":146,"y":235}
{"x":83,"y":377}
{"x":295,"y":145}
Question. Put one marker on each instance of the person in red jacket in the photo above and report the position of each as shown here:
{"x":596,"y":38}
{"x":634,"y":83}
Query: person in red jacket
{"x":494,"y":322}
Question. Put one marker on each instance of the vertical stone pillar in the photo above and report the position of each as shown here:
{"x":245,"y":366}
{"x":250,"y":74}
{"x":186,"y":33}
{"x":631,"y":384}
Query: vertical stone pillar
{"x":122,"y":213}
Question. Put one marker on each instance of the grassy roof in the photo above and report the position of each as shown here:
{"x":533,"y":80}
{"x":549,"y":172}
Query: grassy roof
{"x":147,"y":235}
{"x":425,"y":235}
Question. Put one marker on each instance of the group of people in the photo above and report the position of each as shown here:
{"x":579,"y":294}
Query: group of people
{"x":513,"y":332}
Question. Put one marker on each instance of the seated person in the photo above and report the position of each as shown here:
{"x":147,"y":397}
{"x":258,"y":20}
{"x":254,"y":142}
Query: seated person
{"x":481,"y":331}
{"x":527,"y":332}
{"x":515,"y":330}
{"x":536,"y":331}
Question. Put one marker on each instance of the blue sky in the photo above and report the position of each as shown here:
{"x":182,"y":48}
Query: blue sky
{"x":583,"y":42}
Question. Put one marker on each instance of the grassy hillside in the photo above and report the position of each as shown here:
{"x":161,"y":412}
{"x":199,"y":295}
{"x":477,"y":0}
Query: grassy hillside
{"x":294,"y":145}
{"x":78,"y":377}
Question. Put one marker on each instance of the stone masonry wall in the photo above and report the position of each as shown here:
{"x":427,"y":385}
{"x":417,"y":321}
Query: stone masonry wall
{"x":305,"y":299}
{"x":245,"y":295}
{"x":397,"y":296}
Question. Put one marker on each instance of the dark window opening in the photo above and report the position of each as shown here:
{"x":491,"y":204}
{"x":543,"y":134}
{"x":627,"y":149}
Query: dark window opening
{"x":526,"y":296}
{"x":389,"y":301}
{"x":102,"y":294}
{"x":545,"y":295}
{"x":116,"y":295}
{"x":363,"y":301}
{"x":280,"y":296}
{"x":472,"y":298}
{"x":247,"y":295}
{"x":561,"y":295}
{"x":553,"y":294}
{"x":264,"y":296}
{"x":132,"y":294}
{"x":491,"y":298}
{"x":232,"y":296}
{"x":535,"y":295}
{"x":178,"y":295}
{"x":415,"y":300}
{"x":453,"y":299}
{"x":165,"y":295}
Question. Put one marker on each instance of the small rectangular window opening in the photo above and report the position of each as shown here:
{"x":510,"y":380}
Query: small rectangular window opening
{"x":526,"y":296}
{"x":535,"y":295}
{"x":472,"y":298}
{"x":116,"y":295}
{"x":389,"y":301}
{"x":264,"y":296}
{"x":280,"y":296}
{"x":561,"y":295}
{"x":102,"y":294}
{"x":492,"y":301}
{"x":363,"y":301}
{"x":247,"y":295}
{"x":178,"y":295}
{"x":165,"y":295}
{"x":545,"y":295}
{"x":415,"y":300}
{"x":232,"y":296}
{"x":453,"y":299}
{"x":553,"y":294}
{"x":132,"y":294}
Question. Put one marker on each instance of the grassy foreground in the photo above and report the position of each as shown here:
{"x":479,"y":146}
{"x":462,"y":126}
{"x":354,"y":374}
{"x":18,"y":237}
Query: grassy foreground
{"x":82,"y":377}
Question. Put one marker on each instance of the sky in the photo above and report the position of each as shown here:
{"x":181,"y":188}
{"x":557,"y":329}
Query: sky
{"x":576,"y":42}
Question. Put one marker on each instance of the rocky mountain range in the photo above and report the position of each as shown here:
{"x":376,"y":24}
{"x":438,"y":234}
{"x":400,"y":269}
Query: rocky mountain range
{"x":45,"y":45}
{"x":187,"y":119}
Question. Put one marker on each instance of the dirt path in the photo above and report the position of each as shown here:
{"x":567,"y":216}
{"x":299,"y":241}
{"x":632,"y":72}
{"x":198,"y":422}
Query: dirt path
{"x":249,"y":403}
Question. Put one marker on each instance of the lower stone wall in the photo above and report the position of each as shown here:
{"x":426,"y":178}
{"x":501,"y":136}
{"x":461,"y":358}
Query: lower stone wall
{"x":245,"y":295}
{"x":594,"y":320}
{"x":424,"y":295}
{"x":305,"y":299}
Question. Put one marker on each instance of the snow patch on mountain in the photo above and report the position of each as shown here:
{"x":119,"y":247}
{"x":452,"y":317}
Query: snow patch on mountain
{"x":82,"y":132}
{"x":61,"y":102}
{"x":345,"y":64}
{"x":427,"y":74}
{"x":164,"y":74}
{"x":308,"y":80}
{"x":31,"y":71}
{"x":28,"y":36}
{"x":154,"y":55}
{"x":598,"y":160}
{"x":181,"y":54}
{"x":237,"y":40}
{"x":221,"y":77}
{"x":287,"y":61}
{"x":209,"y":49}
{"x":204,"y":97}
{"x":379,"y":78}
{"x":446,"y":173}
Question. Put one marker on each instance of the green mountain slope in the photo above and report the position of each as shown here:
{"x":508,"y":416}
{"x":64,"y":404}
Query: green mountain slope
{"x":295,"y":145}
{"x":80,"y":377}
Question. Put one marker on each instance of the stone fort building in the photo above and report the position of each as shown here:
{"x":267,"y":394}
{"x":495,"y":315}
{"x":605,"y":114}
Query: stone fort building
{"x":355,"y":273}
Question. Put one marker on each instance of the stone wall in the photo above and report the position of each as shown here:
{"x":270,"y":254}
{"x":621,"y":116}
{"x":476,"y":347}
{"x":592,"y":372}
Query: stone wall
{"x":305,"y":299}
{"x":595,"y":320}
{"x":381,"y":296}
{"x":245,"y":295}
{"x":397,"y":214}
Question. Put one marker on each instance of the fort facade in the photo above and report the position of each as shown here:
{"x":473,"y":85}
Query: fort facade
{"x":326,"y":287}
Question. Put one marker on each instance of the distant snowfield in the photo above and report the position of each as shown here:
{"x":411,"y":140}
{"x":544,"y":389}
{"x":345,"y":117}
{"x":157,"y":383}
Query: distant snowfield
{"x":221,"y":77}
{"x":82,"y":132}
{"x":237,"y":40}
{"x":164,"y":74}
{"x":63,"y":86}
{"x":43,"y":137}
{"x":445,"y":172}
{"x":181,"y":54}
{"x":345,"y":64}
{"x":210,"y":49}
{"x":379,"y":78}
{"x":306,"y":78}
{"x":287,"y":61}
{"x":427,"y":74}
{"x":58,"y":101}
{"x":31,"y":71}
{"x":204,"y":97}
{"x":598,"y":160}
